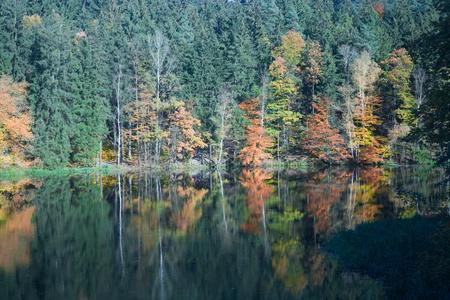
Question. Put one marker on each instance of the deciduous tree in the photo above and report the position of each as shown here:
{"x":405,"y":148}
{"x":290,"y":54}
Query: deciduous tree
{"x":312,"y":66}
{"x":185,"y":136}
{"x":398,"y":73}
{"x":257,"y":142}
{"x":15,"y":122}
{"x":322,"y":141}
{"x":280,"y":115}
{"x":365,"y":73}
{"x":291,"y":49}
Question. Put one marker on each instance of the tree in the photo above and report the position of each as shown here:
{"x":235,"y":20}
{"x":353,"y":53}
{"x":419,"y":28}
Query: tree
{"x":257,"y":143}
{"x":224,"y":111}
{"x":53,"y":92}
{"x":15,"y":122}
{"x":184,"y":137}
{"x":85,"y":64}
{"x":369,"y":148}
{"x":322,"y":141}
{"x":161,"y":69}
{"x":420,"y":78}
{"x":346,"y":91}
{"x":14,"y":43}
{"x":348,"y":53}
{"x":398,"y":71}
{"x":91,"y":109}
{"x":312,"y":65}
{"x":437,"y":109}
{"x":142,"y":118}
{"x":365,"y":73}
{"x":279,"y":112}
{"x":291,"y":49}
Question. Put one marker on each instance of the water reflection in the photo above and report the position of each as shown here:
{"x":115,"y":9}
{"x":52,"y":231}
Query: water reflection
{"x":257,"y":235}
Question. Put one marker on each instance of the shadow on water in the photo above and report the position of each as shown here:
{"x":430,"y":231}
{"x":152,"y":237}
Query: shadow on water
{"x":410,"y":256}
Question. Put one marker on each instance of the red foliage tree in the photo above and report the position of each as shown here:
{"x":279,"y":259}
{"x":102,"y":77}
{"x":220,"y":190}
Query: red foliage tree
{"x":256,"y":140}
{"x":322,"y":141}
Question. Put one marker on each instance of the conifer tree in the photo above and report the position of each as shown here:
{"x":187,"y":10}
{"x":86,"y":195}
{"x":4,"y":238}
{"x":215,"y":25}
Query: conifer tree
{"x":52,"y":92}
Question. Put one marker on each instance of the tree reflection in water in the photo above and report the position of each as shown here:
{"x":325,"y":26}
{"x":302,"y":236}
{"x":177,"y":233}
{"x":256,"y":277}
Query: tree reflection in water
{"x":148,"y":236}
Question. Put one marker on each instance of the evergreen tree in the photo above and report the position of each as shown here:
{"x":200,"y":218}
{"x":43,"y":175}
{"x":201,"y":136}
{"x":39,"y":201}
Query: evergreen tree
{"x":91,"y":108}
{"x":52,"y":92}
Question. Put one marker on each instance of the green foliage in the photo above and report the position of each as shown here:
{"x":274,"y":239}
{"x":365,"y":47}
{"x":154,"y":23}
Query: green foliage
{"x":423,"y":156}
{"x":52,"y":92}
{"x":399,"y":67}
{"x":72,"y":56}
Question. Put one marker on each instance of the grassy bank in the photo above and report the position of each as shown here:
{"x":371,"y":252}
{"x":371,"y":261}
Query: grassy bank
{"x":17,"y":173}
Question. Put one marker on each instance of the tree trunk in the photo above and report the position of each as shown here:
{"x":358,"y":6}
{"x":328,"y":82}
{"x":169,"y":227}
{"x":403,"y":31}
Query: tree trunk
{"x":119,"y":124}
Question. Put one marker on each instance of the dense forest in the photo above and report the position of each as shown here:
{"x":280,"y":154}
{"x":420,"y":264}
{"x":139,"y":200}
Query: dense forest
{"x":148,"y":82}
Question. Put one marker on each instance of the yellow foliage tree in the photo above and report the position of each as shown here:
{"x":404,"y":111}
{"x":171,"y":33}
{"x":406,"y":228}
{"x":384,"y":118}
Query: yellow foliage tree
{"x":291,"y":48}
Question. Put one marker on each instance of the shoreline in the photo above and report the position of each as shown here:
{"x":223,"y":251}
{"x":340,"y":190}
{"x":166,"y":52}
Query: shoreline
{"x":11,"y":173}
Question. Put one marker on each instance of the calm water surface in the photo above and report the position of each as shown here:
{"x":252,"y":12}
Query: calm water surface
{"x":332,"y":234}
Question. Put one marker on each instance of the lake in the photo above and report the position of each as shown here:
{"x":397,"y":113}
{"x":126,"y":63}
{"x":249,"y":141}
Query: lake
{"x":367,"y":233}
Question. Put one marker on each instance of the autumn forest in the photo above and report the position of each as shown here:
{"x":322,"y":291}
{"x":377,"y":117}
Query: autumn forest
{"x":251,"y":82}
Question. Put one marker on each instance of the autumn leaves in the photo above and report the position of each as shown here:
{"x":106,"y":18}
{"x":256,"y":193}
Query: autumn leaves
{"x":15,"y":122}
{"x":358,"y":125}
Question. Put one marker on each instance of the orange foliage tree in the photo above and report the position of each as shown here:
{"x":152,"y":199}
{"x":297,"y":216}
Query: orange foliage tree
{"x":256,"y":140}
{"x":322,"y":141}
{"x":184,"y":139}
{"x":15,"y":121}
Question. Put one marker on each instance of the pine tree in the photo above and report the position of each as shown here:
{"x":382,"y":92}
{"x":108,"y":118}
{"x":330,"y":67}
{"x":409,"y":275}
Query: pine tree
{"x":52,"y":93}
{"x":91,"y":109}
{"x":13,"y":46}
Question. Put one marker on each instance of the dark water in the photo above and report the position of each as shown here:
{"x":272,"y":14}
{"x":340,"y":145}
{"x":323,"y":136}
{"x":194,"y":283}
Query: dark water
{"x":333,"y":234}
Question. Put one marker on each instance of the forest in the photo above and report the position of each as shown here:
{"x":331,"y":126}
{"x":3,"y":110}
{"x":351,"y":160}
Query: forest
{"x":254,"y":82}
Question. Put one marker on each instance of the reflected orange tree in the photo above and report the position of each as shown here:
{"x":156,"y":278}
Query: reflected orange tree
{"x":323,"y":191}
{"x":191,"y":211}
{"x":368,"y":186}
{"x":16,"y":227}
{"x":258,"y":191}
